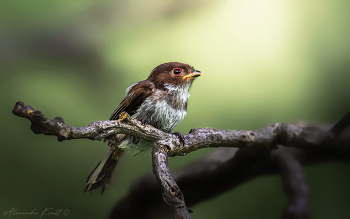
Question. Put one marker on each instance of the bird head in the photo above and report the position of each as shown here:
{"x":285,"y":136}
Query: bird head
{"x":173,"y":73}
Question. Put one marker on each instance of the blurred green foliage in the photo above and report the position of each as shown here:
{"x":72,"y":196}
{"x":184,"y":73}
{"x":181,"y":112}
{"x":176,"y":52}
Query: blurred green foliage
{"x":263,"y":61}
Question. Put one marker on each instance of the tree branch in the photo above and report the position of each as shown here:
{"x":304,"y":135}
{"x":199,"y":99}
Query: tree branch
{"x":340,"y":126}
{"x":293,"y":184}
{"x":172,"y":194}
{"x":220,"y":171}
{"x":94,"y":131}
{"x":218,"y":174}
{"x":299,"y":135}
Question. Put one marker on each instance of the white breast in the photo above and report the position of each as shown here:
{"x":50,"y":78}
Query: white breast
{"x":159,"y":113}
{"x":182,"y":94}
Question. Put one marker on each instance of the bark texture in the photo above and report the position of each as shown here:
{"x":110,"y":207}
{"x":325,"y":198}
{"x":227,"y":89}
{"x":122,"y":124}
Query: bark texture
{"x":275,"y":148}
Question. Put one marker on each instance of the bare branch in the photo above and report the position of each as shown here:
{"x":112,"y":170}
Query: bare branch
{"x":300,"y":135}
{"x":220,"y":171}
{"x":294,"y":184}
{"x":212,"y":174}
{"x":172,"y":194}
{"x":341,"y":125}
{"x":94,"y":131}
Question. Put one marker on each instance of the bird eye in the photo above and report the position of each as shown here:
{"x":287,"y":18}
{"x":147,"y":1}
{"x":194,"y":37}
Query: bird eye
{"x":177,"y":71}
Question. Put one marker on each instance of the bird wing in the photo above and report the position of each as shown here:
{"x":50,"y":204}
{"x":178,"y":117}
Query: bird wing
{"x":134,"y":98}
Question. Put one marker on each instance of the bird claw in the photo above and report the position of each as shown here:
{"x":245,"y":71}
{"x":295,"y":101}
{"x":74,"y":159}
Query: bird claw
{"x":181,"y":137}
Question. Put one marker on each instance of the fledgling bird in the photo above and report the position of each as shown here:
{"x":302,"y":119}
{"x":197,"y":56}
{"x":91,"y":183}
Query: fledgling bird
{"x":160,"y":101}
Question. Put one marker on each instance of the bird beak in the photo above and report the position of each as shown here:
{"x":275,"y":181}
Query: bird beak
{"x":193,"y":74}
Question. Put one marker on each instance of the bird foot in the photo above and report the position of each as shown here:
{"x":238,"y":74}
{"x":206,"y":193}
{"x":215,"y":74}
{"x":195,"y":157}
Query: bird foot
{"x":181,"y":137}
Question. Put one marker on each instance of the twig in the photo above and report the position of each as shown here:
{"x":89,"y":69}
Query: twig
{"x":339,"y":127}
{"x":172,"y":194}
{"x":293,"y":184}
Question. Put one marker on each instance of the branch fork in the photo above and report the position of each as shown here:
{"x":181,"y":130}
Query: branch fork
{"x":317,"y":137}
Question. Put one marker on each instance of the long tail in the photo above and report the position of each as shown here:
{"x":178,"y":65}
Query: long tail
{"x":104,"y":173}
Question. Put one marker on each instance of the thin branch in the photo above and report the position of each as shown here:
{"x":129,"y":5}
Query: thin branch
{"x":299,"y":135}
{"x":94,"y":131}
{"x":172,"y":194}
{"x":340,"y":126}
{"x":294,"y":184}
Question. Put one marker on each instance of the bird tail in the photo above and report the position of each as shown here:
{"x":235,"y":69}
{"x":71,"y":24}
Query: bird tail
{"x":104,"y":173}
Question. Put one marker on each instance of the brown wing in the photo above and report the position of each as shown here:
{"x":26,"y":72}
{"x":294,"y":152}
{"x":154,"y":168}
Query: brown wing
{"x":135,"y":97}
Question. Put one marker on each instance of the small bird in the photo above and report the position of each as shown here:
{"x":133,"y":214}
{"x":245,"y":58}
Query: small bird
{"x":159,"y":101}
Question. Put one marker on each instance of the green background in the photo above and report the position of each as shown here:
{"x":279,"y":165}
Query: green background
{"x":263,"y":61}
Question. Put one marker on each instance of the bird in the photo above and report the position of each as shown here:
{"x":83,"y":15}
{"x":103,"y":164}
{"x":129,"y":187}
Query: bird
{"x":159,"y":101}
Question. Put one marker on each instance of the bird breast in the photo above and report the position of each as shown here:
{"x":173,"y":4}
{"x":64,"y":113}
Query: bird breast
{"x":164,"y":109}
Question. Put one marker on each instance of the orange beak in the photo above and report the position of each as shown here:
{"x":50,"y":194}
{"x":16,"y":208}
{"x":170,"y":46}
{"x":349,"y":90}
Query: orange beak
{"x":193,"y":75}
